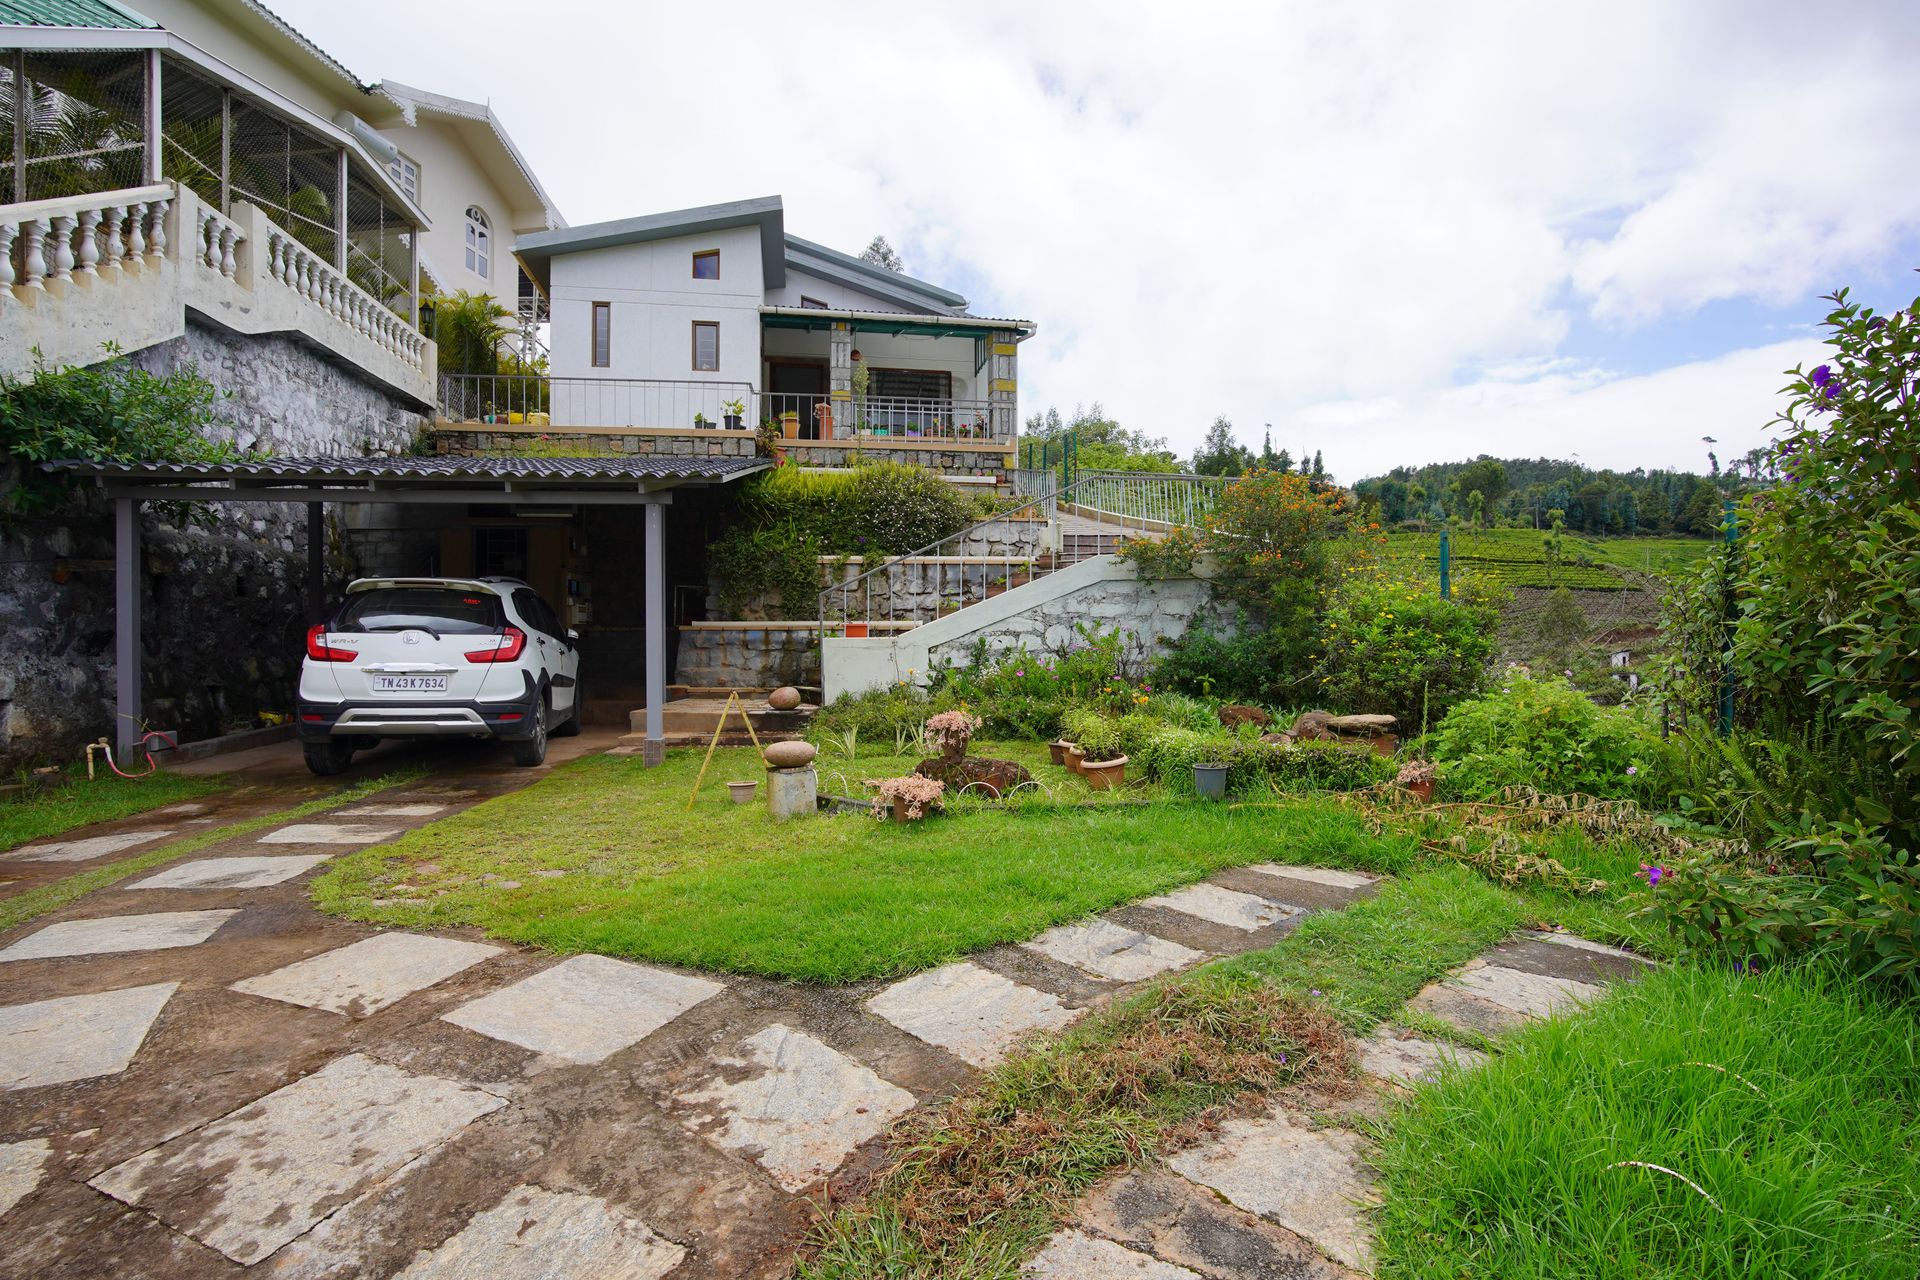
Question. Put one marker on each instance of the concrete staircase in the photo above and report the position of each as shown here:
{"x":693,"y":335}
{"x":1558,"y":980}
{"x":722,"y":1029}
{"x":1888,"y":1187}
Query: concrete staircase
{"x":691,"y":720}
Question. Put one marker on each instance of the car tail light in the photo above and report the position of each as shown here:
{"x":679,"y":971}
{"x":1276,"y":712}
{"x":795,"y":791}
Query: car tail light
{"x":320,"y":651}
{"x":508,"y":647}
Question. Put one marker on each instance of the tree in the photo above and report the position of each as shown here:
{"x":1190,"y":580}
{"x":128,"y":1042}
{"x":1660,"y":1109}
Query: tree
{"x":1559,"y":628}
{"x":1269,"y":460}
{"x":1551,"y":544}
{"x":881,"y":254}
{"x":1103,"y":444}
{"x":1282,"y":461}
{"x":1488,"y":478}
{"x":1319,"y":473}
{"x":1220,"y":454}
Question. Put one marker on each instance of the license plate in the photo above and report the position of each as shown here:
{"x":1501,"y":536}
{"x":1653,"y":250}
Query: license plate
{"x":409,"y":684}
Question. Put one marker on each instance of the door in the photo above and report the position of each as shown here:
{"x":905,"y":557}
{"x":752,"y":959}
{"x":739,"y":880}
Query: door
{"x":559,"y":656}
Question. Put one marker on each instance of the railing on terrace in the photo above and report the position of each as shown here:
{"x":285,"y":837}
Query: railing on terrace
{"x":51,"y":241}
{"x":1156,"y":497}
{"x":569,"y":403}
{"x":943,"y":577}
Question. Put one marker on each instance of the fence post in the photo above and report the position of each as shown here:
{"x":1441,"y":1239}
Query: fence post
{"x":1730,"y":520}
{"x":1446,"y":564}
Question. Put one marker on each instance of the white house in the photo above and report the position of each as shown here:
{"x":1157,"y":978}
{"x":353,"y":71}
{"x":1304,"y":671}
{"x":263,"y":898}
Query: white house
{"x":716,"y":317}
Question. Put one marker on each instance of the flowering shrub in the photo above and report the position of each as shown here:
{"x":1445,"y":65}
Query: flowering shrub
{"x":919,"y":795}
{"x":950,"y":731}
{"x":1545,"y":734}
{"x":1402,"y":650}
{"x":1415,"y":772}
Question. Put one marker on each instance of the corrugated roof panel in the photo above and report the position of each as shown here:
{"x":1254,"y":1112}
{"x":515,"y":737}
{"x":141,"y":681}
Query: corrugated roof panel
{"x":72,"y":13}
{"x":585,"y":470}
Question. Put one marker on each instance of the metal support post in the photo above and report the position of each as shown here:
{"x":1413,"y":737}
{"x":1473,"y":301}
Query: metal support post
{"x":126,"y":626}
{"x":654,"y":750}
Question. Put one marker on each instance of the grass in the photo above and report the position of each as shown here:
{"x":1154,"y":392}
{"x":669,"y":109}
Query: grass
{"x":1792,"y":1099}
{"x":1654,"y":555}
{"x":78,"y":802}
{"x":41,"y":899}
{"x":630,"y":872}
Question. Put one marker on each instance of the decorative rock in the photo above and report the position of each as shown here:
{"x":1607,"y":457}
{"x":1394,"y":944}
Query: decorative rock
{"x":789,"y":755}
{"x":1362,"y":725}
{"x":785,"y":698}
{"x":997,"y":776}
{"x":1235,"y":714}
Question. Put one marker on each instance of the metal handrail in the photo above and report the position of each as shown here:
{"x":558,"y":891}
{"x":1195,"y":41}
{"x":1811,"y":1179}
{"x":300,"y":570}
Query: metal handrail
{"x":1165,"y":497}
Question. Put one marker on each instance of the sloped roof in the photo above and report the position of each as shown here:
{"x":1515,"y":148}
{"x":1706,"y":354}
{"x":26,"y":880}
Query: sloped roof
{"x":72,"y":13}
{"x":915,"y":295}
{"x":536,"y":252}
{"x":412,"y":101}
{"x":485,"y":477}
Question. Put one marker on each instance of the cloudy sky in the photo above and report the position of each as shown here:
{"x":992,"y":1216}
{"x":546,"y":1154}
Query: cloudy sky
{"x":1398,"y":233}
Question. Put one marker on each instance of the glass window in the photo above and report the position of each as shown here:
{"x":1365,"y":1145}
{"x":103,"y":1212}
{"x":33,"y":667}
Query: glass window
{"x":706,"y":346}
{"x":813,"y":304}
{"x":479,"y":243}
{"x":407,"y":174}
{"x":706,"y":265}
{"x":602,"y":335}
{"x":442,"y":609}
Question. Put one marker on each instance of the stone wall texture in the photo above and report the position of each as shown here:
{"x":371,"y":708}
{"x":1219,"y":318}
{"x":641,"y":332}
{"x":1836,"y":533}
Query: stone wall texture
{"x":1145,"y":614}
{"x":475,"y":441}
{"x":748,"y":658}
{"x":225,"y":601}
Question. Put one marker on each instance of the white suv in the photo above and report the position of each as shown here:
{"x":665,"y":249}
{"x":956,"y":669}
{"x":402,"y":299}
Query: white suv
{"x":452,"y":657}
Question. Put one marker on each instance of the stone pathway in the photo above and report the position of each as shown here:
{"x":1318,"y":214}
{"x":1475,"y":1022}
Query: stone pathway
{"x":1286,"y":1192}
{"x":202,"y":1075}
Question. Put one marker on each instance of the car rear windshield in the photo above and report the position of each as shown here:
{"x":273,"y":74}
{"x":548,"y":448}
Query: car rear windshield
{"x":439,"y":609}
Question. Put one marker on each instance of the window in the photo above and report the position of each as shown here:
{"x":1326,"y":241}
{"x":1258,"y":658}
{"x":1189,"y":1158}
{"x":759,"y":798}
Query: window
{"x":813,"y":304}
{"x":706,"y":265}
{"x":602,"y":335}
{"x":479,"y":244}
{"x":910,"y":384}
{"x":407,"y":174}
{"x":706,"y":346}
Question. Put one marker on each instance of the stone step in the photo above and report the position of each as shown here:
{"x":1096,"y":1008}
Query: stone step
{"x":699,"y":716}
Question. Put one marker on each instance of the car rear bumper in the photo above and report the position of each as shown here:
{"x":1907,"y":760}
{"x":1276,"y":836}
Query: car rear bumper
{"x":369,"y":718}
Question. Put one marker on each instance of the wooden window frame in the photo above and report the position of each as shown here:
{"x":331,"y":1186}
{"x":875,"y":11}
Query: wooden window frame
{"x":706,"y":253}
{"x":593,"y":337}
{"x":706,"y":324}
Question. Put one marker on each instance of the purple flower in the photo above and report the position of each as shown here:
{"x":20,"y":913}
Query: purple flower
{"x":1822,"y":375}
{"x":1652,"y":874}
{"x":1632,"y":769}
{"x":1314,"y":992}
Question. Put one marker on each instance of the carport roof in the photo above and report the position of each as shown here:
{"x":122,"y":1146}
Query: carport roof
{"x":402,"y":479}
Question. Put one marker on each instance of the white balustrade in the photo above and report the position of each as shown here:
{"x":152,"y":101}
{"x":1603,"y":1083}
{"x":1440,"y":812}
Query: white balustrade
{"x":81,"y":237}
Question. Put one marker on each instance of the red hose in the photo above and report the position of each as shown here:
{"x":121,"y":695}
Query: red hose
{"x":166,"y":740}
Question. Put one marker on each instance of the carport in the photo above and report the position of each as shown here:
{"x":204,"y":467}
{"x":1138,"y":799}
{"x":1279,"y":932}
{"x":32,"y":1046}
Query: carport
{"x":511,"y":482}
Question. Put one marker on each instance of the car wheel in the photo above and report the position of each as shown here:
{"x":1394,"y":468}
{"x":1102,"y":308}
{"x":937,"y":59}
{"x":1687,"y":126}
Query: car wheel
{"x":532,"y":749}
{"x":328,"y":758}
{"x":571,"y":726}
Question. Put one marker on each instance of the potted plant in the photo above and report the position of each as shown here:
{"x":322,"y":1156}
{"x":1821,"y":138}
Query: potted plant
{"x":790,"y":425}
{"x":1417,"y":776}
{"x":769,"y":441}
{"x":736,"y":410}
{"x":1058,"y":750}
{"x":1210,"y":779}
{"x":1076,"y":758}
{"x":1104,"y":775}
{"x":906,"y":799}
{"x":951,"y":731}
{"x":700,"y":422}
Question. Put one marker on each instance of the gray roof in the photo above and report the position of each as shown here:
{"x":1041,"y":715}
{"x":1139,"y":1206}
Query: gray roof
{"x":537,"y":251}
{"x":915,"y":295}
{"x":72,"y":13}
{"x":484,"y":477}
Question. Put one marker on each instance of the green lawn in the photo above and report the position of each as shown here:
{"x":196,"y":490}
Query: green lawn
{"x":79,"y":802}
{"x":1792,"y":1099}
{"x":825,"y":899}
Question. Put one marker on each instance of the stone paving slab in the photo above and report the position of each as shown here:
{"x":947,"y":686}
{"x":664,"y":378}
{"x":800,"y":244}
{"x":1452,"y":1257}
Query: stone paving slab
{"x":21,"y":1165}
{"x":584,"y":1009}
{"x":1108,"y":950}
{"x":536,"y":1234}
{"x":1328,"y":876}
{"x":1314,"y":1182}
{"x":1581,"y":944}
{"x":972,"y":1013}
{"x":263,"y":1175}
{"x":1532,"y":953}
{"x":1409,"y":1060}
{"x":1465,"y":1010}
{"x":390,"y":811}
{"x":365,"y":977}
{"x":1536,"y":995}
{"x":1223,"y":906}
{"x":90,"y":847}
{"x":1075,"y":1255}
{"x":231,"y":873}
{"x":793,"y":1104}
{"x":1158,"y":1212}
{"x":327,"y":833}
{"x":77,"y":1037}
{"x":155,"y":931}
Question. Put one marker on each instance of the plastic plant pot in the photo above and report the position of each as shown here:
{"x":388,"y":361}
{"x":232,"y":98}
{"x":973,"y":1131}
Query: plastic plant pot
{"x":1058,"y":750}
{"x":1105,"y":775}
{"x":1210,"y":780}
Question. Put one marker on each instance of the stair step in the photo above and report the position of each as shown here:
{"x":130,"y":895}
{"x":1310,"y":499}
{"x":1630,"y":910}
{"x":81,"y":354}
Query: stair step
{"x":699,"y":717}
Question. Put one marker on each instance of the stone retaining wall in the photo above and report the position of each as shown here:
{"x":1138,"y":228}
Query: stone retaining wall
{"x":747,"y":658}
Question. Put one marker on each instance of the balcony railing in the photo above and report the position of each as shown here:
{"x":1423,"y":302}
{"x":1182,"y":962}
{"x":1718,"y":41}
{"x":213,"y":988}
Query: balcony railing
{"x":1155,"y":497}
{"x":576,"y":403}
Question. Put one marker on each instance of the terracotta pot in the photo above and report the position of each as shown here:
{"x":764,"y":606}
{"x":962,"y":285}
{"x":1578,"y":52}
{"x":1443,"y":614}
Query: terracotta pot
{"x":1076,"y":758}
{"x":1384,"y":744}
{"x":790,"y":426}
{"x":1105,"y":775}
{"x":1057,"y":749}
{"x":742,"y":792}
{"x":1422,"y":791}
{"x":856,"y":631}
{"x":900,"y":811}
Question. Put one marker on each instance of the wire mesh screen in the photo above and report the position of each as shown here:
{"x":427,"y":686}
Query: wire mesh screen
{"x":377,"y":250}
{"x":190,"y":132}
{"x":290,"y":174}
{"x":83,"y":124}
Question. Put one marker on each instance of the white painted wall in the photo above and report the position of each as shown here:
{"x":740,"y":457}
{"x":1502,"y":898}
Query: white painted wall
{"x":451,"y":178}
{"x":837,"y":296}
{"x":208,"y":26}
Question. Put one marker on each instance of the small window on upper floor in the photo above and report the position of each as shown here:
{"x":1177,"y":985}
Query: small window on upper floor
{"x":813,"y":304}
{"x":407,"y":174}
{"x":479,"y":244}
{"x":706,"y":346}
{"x":602,"y":334}
{"x":706,"y":265}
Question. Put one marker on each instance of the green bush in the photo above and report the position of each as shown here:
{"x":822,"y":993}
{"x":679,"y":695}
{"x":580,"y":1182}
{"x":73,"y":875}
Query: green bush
{"x":749,"y":564}
{"x":1842,"y":891}
{"x":1545,"y":734}
{"x":877,"y":715}
{"x":1096,"y":734}
{"x":1271,"y":665}
{"x":1169,"y":755}
{"x":1305,"y":766}
{"x":1401,"y":650}
{"x":879,"y":509}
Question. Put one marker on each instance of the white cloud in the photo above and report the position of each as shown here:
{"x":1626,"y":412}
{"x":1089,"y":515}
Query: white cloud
{"x":1247,"y":209}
